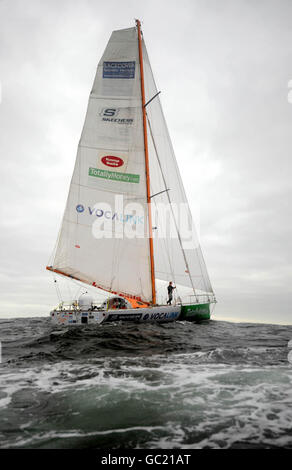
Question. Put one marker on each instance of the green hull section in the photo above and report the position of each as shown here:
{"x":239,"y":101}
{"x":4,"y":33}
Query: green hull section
{"x":196,"y":312}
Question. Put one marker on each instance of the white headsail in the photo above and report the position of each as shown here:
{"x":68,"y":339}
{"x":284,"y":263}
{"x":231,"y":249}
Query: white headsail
{"x":178,"y":256}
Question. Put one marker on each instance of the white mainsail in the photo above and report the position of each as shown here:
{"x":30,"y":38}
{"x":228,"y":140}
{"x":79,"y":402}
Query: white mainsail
{"x":110,"y":161}
{"x":108,"y":191}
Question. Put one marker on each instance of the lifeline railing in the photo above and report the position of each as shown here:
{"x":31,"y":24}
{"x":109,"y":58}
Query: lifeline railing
{"x":64,"y":306}
{"x":198,"y":299}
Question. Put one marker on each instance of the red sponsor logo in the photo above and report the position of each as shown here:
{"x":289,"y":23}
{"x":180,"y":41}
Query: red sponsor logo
{"x":110,"y":160}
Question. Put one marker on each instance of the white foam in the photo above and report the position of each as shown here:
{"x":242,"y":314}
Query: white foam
{"x":229,"y":403}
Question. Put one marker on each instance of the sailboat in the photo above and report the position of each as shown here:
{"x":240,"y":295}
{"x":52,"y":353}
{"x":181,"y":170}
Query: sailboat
{"x":127,"y":229}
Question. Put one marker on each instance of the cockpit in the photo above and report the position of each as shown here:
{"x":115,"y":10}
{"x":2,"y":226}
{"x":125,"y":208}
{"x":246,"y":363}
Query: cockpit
{"x":116,"y":303}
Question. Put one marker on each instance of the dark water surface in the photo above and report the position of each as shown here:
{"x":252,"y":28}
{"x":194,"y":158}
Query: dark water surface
{"x":177,"y":385}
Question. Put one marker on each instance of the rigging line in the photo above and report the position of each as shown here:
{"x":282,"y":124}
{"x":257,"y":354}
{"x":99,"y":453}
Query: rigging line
{"x":52,"y":255}
{"x":167,"y":252}
{"x":160,"y":192}
{"x":80,"y":287}
{"x":57,"y":289}
{"x":87,"y":287}
{"x":68,"y":285}
{"x":171,"y":208}
{"x":199,"y":253}
{"x":151,"y":99}
{"x":115,"y":260}
{"x":77,"y":293}
{"x":62,"y":229}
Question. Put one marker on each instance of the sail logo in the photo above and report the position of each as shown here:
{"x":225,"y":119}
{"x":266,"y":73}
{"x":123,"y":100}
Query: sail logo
{"x":110,"y":115}
{"x":80,"y":208}
{"x":118,"y":69}
{"x":110,"y":215}
{"x":115,"y":161}
{"x":161,"y":316}
{"x":112,"y":161}
{"x":114,"y":175}
{"x":109,"y":112}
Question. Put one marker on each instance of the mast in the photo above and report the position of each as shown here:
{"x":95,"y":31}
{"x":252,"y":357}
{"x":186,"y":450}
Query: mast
{"x":138,"y":24}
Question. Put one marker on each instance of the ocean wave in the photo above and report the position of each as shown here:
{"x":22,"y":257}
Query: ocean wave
{"x":162,"y":386}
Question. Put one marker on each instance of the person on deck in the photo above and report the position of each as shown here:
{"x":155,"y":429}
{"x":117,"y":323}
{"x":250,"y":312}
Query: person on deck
{"x":170,"y":288}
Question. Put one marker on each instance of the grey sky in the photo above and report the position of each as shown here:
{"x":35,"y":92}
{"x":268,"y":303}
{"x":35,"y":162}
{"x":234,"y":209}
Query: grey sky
{"x":223,"y":68}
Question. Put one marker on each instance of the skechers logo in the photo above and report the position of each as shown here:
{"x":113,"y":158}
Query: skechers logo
{"x":110,"y":115}
{"x":109,"y":112}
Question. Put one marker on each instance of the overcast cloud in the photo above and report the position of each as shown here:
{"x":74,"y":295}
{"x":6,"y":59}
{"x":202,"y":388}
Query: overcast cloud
{"x":223,"y":68}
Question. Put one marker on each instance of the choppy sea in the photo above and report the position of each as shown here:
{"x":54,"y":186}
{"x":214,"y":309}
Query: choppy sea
{"x":150,"y":386}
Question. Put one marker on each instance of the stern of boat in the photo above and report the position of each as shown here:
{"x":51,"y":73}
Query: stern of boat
{"x":195,"y":312}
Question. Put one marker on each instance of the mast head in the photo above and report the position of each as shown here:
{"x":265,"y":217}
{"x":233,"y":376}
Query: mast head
{"x":138,"y":26}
